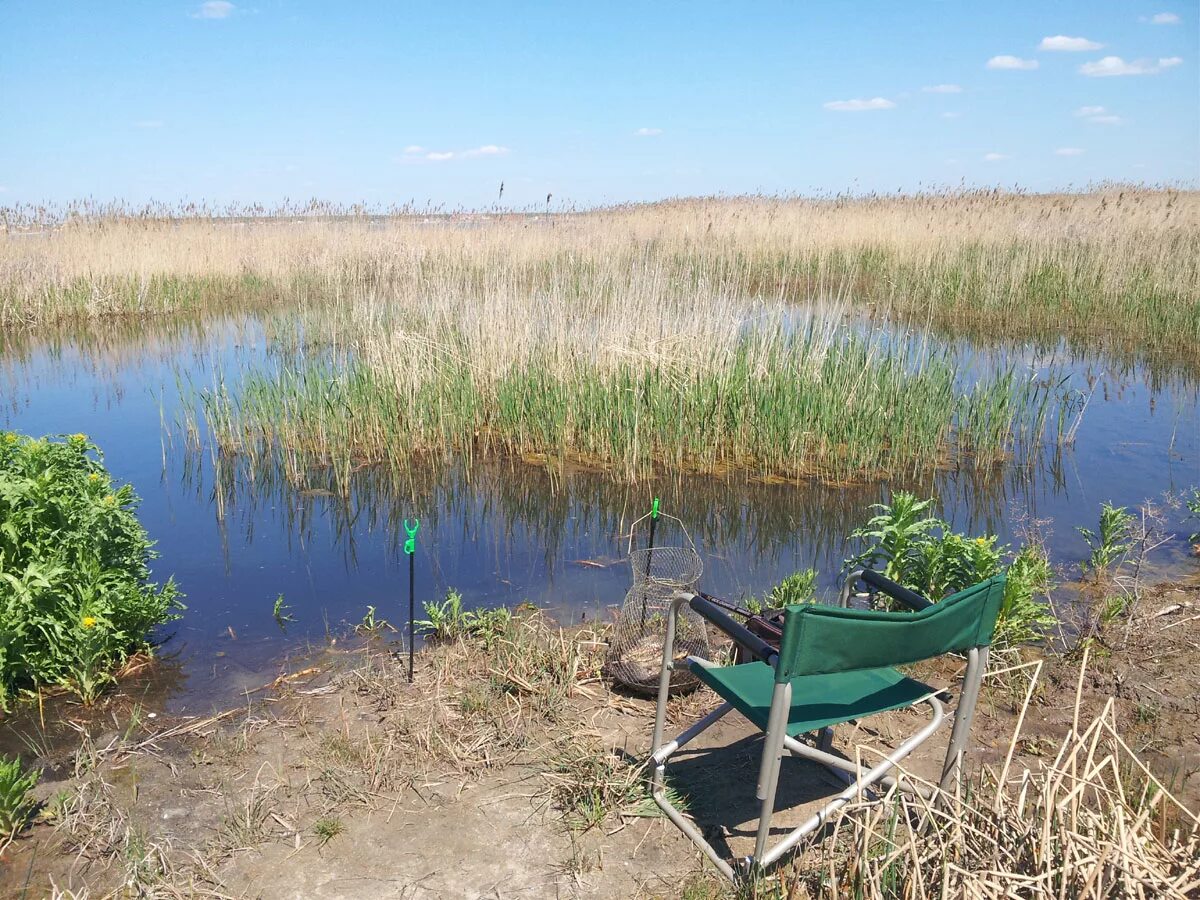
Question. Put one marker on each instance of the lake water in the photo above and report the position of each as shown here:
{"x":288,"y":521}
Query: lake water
{"x":507,"y":532}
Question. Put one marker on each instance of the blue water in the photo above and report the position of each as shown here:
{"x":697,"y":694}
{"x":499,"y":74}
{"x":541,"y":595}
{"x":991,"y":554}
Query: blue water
{"x":507,"y":532}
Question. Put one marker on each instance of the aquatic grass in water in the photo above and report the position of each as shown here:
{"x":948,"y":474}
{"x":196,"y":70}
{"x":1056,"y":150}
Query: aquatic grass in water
{"x":818,"y":402}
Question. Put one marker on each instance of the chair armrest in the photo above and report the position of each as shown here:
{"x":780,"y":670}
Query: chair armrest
{"x":740,"y":633}
{"x":897,"y":592}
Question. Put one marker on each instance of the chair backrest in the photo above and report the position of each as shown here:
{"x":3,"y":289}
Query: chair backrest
{"x":821,"y":640}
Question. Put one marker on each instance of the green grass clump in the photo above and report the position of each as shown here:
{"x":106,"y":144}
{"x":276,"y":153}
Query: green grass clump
{"x":778,"y":404}
{"x":75,"y":592}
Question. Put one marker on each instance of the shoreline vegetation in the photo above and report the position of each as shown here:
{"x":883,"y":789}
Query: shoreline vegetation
{"x":701,"y":336}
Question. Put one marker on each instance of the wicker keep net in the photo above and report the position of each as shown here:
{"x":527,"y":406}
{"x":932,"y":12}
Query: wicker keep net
{"x":635,"y":652}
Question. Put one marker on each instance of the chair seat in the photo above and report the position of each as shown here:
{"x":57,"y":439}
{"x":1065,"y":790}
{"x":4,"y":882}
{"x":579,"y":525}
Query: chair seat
{"x":817,"y":700}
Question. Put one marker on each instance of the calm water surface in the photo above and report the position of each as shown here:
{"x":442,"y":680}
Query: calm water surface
{"x":506,"y":532}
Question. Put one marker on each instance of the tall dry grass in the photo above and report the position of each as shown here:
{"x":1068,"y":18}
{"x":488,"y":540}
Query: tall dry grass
{"x":1121,"y":263}
{"x":1092,"y":822}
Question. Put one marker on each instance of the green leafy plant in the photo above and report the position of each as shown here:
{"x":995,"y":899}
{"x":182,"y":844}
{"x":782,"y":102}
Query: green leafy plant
{"x":282,"y":613}
{"x":327,"y":828}
{"x":448,"y":621}
{"x":799,"y":587}
{"x":921,"y":552}
{"x":1193,"y":505}
{"x":1023,"y":616}
{"x":15,"y":803}
{"x":895,"y":534}
{"x":1111,"y":542}
{"x":372,"y":624}
{"x":76,"y":598}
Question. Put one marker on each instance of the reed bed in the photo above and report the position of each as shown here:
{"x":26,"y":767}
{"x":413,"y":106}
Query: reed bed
{"x":1119,"y":264}
{"x":632,"y":385}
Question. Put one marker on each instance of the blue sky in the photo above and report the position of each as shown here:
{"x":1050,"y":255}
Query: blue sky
{"x":394,"y":102}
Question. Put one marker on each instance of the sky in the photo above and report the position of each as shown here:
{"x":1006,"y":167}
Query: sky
{"x":593,"y":103}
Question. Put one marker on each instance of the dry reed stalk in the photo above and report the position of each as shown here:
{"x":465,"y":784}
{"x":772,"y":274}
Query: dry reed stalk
{"x":1094,"y":823}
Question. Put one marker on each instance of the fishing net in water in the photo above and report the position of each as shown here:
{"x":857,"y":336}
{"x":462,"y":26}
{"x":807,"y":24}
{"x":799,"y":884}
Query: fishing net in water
{"x":636,"y":650}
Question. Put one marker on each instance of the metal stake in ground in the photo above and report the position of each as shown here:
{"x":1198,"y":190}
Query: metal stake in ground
{"x":410,"y":549}
{"x":649,"y":554}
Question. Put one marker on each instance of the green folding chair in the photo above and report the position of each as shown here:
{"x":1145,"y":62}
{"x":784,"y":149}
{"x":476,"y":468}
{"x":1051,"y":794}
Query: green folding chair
{"x":835,"y":665}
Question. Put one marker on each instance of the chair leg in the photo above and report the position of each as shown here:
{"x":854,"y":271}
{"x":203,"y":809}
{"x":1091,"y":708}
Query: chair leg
{"x":870,"y":777}
{"x":668,"y":666}
{"x":768,"y":773}
{"x":964,"y":715}
{"x":658,"y":789}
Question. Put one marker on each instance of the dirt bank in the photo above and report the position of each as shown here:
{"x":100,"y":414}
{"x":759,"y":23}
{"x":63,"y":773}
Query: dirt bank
{"x":509,"y":769}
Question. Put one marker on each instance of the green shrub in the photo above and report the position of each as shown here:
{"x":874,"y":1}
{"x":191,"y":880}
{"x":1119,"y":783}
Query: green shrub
{"x":924,"y":554}
{"x":75,"y":593}
{"x":15,"y":805}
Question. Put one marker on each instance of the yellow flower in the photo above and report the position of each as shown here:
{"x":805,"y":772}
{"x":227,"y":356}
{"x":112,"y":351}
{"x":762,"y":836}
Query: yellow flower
{"x":93,"y":477}
{"x":110,"y":498}
{"x":981,"y":541}
{"x":79,"y":437}
{"x":89,"y":621}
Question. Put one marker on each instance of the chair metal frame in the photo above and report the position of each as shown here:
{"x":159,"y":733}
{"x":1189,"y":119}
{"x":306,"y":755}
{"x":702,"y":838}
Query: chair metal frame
{"x":778,"y":743}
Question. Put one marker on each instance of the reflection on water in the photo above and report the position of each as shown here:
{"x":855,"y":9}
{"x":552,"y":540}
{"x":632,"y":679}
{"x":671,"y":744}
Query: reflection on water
{"x":504,"y":532}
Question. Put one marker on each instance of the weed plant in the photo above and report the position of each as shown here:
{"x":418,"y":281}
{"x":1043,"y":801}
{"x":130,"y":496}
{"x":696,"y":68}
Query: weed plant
{"x":1112,"y":540}
{"x":923,"y":553}
{"x":448,"y":621}
{"x":75,"y":592}
{"x":16,"y":783}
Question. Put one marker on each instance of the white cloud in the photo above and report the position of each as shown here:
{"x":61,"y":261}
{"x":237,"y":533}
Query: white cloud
{"x":3,"y":188}
{"x":951,"y":115}
{"x":1068,"y":44}
{"x":1011,"y":62}
{"x":1069,"y":151}
{"x":995,"y":157}
{"x":1114,"y":65}
{"x":1165,"y":18}
{"x":214,"y":9}
{"x":942,"y":89}
{"x":415,"y":153}
{"x":859,"y":105}
{"x":1097,"y":114}
{"x":148,"y":123}
{"x":648,"y":132}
